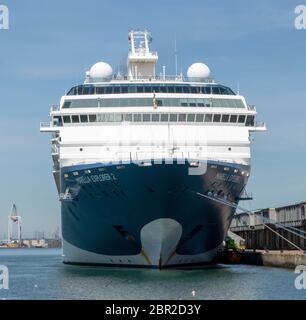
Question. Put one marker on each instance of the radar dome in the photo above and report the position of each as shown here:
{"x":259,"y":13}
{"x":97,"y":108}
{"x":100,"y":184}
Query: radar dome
{"x":198,"y":71}
{"x":101,"y":70}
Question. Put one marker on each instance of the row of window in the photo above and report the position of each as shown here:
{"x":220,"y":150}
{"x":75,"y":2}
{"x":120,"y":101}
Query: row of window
{"x":149,"y":88}
{"x":155,"y":117}
{"x":144,"y":102}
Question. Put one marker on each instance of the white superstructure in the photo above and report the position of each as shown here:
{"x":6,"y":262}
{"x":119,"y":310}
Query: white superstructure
{"x":187,"y":125}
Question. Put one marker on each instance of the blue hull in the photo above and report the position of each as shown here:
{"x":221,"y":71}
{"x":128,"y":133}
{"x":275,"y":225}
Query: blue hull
{"x":151,"y":216}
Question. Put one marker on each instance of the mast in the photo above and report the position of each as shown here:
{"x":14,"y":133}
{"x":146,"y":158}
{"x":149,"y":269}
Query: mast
{"x":141,"y":61}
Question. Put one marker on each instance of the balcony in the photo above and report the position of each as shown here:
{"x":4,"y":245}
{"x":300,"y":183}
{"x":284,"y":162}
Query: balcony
{"x":259,"y":126}
{"x":47,"y":127}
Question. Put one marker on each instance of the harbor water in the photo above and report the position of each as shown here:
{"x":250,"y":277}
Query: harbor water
{"x":40,"y":274}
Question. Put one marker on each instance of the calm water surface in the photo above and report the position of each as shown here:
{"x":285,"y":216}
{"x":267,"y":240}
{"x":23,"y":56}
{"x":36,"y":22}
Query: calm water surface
{"x":40,"y":274}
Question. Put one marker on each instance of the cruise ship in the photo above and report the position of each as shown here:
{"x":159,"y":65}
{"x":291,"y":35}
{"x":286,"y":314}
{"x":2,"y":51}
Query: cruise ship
{"x":149,"y":168}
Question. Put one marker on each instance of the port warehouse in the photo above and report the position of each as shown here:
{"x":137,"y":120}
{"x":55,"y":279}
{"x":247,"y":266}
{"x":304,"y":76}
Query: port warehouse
{"x":256,"y":227}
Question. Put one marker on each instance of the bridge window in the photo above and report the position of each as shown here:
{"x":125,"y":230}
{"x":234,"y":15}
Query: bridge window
{"x":67,"y":119}
{"x":67,"y":104}
{"x":206,"y":90}
{"x":109,"y":90}
{"x":199,"y":117}
{"x":163,"y":89}
{"x":171,"y":89}
{"x":117,"y":89}
{"x":146,"y":117}
{"x":57,"y":121}
{"x":127,"y":117}
{"x":184,"y":102}
{"x":192,"y":103}
{"x":124,"y":89}
{"x":75,"y":119}
{"x":72,"y":91}
{"x":182,"y":117}
{"x":147,"y":89}
{"x":132,"y":88}
{"x":100,"y":90}
{"x":137,"y":117}
{"x":92,"y":118}
{"x":164,"y":117}
{"x":191,"y":117}
{"x":194,"y":89}
{"x":215,"y":90}
{"x":140,"y":102}
{"x":217,"y":117}
{"x":159,"y":102}
{"x":208,"y":117}
{"x":173,"y":117}
{"x":155,"y":117}
{"x":250,"y":121}
{"x":233,"y":118}
{"x":149,"y":117}
{"x":241,"y":119}
{"x":178,"y":90}
{"x":88,"y":90}
{"x":225,"y":118}
{"x":84,"y":118}
{"x":118,"y":117}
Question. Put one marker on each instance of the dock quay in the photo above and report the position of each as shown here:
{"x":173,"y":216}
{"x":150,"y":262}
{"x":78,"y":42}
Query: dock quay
{"x":275,"y":258}
{"x":270,"y":237}
{"x":282,"y":228}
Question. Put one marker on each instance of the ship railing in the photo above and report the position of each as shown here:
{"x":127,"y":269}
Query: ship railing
{"x":143,"y":53}
{"x":260,"y":124}
{"x":54,"y":108}
{"x":161,"y":77}
{"x":46,"y":124}
{"x":251,"y":107}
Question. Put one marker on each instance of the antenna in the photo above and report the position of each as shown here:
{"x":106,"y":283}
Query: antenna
{"x":175,"y":54}
{"x":238,"y":88}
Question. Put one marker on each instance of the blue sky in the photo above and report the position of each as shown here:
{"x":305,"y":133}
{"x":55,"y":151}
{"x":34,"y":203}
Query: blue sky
{"x":50,"y":45}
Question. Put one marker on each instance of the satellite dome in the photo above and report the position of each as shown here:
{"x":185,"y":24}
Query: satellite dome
{"x":198,"y":71}
{"x":101,"y":70}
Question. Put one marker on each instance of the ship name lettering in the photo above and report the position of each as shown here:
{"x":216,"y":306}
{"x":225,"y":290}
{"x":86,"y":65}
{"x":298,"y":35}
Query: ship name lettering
{"x":102,"y":177}
{"x":227,"y":177}
{"x":83,"y":180}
